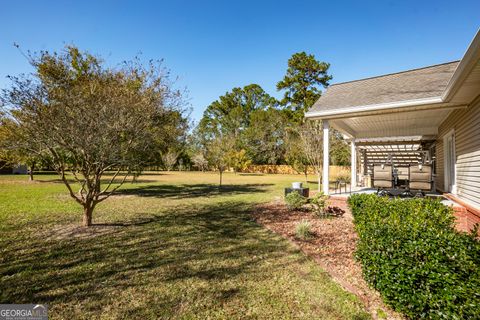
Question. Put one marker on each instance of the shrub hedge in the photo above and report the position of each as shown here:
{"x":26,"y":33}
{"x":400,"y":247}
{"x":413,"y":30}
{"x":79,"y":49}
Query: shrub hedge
{"x":319,"y":202}
{"x":295,"y":200}
{"x":412,"y":255}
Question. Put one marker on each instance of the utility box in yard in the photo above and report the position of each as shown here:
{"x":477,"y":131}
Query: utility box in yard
{"x":303,"y":191}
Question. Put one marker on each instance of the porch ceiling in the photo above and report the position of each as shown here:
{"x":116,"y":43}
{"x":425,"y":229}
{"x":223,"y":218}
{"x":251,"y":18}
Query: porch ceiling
{"x":419,"y":122}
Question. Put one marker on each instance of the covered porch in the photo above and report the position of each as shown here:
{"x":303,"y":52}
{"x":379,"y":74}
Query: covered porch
{"x":392,"y":137}
{"x":405,"y":122}
{"x":427,"y":116}
{"x":387,"y":139}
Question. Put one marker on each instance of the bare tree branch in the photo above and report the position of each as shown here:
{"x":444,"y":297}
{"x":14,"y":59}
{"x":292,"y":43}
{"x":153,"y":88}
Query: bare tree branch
{"x":311,"y":134}
{"x":108,"y":194}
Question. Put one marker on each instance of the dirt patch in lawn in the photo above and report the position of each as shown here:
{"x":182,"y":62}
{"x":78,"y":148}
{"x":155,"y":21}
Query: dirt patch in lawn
{"x":332,"y":247}
{"x":75,"y":231}
{"x":70,"y":231}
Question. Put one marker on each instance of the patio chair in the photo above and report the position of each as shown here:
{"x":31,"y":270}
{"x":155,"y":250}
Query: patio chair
{"x":420,"y":178}
{"x":383,"y":179}
{"x":400,"y":174}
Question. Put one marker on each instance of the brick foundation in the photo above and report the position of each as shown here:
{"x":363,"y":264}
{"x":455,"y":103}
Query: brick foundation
{"x":467,"y":216}
{"x":466,"y":220}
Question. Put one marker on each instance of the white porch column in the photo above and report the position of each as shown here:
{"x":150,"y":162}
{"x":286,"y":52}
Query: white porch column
{"x":326,"y":157}
{"x":353,"y":165}
{"x":365,"y":167}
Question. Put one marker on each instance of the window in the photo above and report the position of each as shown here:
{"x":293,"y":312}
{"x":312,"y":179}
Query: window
{"x":450,"y":162}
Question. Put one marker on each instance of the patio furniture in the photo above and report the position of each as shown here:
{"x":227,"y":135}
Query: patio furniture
{"x":342,"y":183}
{"x":382,"y":178}
{"x":400,"y":175}
{"x":420,"y":178}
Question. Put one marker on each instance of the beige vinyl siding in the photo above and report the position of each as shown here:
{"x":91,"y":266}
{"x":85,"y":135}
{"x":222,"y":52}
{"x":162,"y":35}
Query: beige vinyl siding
{"x":466,"y":125}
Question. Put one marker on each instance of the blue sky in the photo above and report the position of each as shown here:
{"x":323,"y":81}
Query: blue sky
{"x":214,"y":46}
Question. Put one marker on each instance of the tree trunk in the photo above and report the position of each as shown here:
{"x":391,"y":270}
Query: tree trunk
{"x":135,"y":178}
{"x":319,"y":177}
{"x":87,"y":215}
{"x":30,"y":172}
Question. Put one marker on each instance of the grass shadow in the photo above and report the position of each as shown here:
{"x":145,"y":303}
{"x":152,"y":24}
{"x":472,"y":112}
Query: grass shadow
{"x":104,"y":181}
{"x":161,"y":248}
{"x":193,"y":190}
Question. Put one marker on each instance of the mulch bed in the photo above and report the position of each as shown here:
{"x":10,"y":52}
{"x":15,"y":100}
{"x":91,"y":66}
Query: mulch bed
{"x":332,"y":247}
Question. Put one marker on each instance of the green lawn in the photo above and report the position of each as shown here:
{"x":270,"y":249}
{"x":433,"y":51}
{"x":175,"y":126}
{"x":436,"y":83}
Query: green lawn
{"x":170,"y":246}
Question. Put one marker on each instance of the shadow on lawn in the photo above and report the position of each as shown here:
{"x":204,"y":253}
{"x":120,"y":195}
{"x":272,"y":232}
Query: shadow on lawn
{"x":193,"y":190}
{"x":194,"y":244}
{"x":104,"y":181}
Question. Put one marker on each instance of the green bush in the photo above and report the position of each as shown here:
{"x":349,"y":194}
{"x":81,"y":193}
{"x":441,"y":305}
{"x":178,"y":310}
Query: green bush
{"x":412,"y":255}
{"x":295,"y":200}
{"x":303,"y":230}
{"x":319,"y":202}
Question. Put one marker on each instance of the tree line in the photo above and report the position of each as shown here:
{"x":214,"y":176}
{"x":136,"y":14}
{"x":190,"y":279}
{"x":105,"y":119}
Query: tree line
{"x":247,"y":125}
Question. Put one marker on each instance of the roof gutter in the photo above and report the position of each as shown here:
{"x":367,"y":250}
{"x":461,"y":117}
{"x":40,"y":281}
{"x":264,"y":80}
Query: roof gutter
{"x":375,"y":107}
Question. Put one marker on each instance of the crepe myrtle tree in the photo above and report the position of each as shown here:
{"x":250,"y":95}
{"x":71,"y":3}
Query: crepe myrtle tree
{"x":169,"y":159}
{"x":295,"y":155}
{"x":218,"y":153}
{"x":200,"y":161}
{"x":90,"y":119}
{"x":311,"y":141}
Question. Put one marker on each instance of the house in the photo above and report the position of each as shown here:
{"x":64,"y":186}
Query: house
{"x":428,"y":113}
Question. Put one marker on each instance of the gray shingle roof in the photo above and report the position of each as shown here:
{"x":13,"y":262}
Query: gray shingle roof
{"x":414,"y":84}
